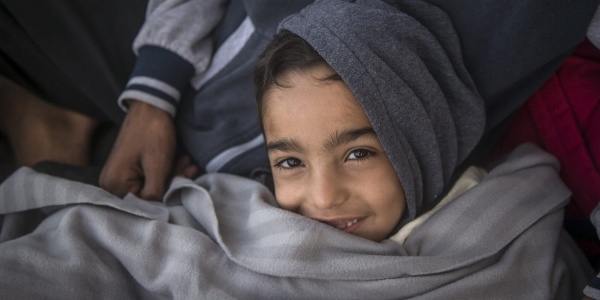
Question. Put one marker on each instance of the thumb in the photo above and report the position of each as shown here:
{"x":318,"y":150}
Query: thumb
{"x":155,"y":175}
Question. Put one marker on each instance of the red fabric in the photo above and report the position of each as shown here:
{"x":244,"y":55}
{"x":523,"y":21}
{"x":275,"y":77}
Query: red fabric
{"x":563,"y":117}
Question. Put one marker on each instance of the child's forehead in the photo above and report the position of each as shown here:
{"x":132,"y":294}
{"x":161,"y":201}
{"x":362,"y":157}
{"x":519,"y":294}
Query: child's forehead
{"x":307,"y":101}
{"x":308,"y":88}
{"x":315,"y":81}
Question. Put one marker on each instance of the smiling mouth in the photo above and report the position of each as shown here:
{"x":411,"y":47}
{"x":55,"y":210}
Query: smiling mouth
{"x":347,"y":225}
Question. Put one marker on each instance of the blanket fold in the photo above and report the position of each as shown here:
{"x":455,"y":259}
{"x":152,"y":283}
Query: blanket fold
{"x":222,"y":239}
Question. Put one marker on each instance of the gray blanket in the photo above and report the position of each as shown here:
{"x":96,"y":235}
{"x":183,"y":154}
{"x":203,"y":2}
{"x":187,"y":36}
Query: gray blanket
{"x":219,"y":238}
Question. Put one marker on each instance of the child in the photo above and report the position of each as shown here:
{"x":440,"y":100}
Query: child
{"x":367,"y":111}
{"x":328,"y":162}
{"x":366,"y":126}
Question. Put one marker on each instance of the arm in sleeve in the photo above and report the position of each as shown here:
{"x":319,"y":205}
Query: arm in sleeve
{"x":172,"y":46}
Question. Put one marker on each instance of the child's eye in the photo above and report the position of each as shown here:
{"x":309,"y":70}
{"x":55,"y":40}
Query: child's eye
{"x":359,"y":154}
{"x":289,"y":163}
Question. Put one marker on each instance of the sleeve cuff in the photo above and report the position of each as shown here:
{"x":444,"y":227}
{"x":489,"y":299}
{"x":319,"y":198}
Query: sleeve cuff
{"x":592,"y":290}
{"x":147,"y":98}
{"x":158,"y":78}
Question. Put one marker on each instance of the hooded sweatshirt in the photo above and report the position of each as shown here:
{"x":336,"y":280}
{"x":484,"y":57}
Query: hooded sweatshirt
{"x":405,"y":68}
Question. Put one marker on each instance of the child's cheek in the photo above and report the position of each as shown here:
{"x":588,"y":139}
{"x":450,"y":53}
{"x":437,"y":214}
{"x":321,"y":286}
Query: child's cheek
{"x":286,"y":198}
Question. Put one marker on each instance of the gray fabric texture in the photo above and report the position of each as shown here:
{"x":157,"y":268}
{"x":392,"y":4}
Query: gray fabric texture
{"x":592,"y":290}
{"x":593,"y":32}
{"x":405,"y":68}
{"x":218,"y":238}
{"x":163,"y":28}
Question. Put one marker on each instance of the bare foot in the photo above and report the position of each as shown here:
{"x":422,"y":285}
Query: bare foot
{"x":40,"y":131}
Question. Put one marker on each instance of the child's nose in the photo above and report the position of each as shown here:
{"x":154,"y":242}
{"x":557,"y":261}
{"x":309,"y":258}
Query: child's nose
{"x":327,"y":190}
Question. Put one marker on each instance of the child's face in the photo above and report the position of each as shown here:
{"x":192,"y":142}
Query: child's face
{"x":327,"y":161}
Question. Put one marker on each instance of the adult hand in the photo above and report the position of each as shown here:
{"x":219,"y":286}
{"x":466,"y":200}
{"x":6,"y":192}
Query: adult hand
{"x":142,"y":155}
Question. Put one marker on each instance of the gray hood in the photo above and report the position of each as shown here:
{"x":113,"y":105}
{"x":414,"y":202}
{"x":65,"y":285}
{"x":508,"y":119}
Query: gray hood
{"x":404,"y":65}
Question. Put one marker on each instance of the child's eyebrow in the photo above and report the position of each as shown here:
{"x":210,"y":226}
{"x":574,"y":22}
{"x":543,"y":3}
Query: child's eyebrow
{"x":347,"y":136}
{"x":284,"y":145}
{"x":337,"y":139}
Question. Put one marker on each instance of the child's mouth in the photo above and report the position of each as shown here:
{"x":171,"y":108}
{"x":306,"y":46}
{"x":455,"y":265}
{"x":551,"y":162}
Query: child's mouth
{"x":347,"y":225}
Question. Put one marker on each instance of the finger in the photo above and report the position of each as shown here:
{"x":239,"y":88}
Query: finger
{"x":133,"y":186}
{"x":120,"y":183}
{"x":120,"y":188}
{"x":185,"y":167}
{"x":155,"y":175}
{"x":182,"y":163}
{"x":190,"y":171}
